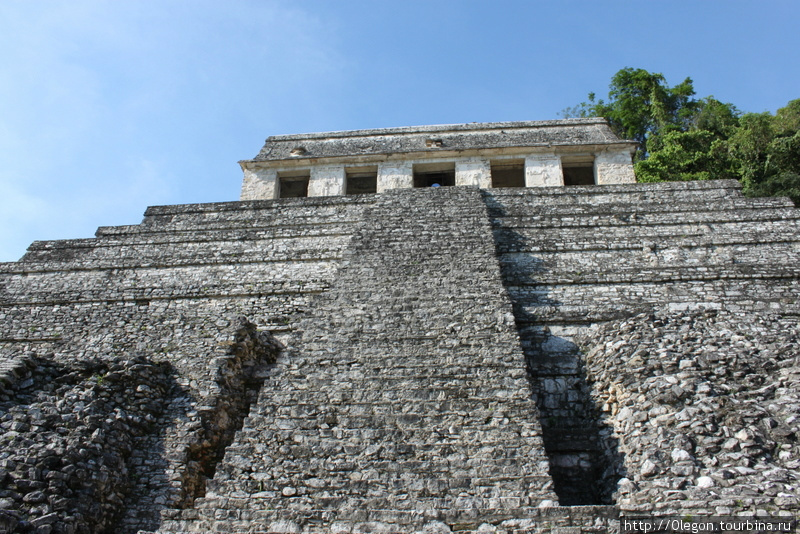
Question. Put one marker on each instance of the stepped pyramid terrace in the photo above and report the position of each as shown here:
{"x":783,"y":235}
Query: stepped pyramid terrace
{"x":465,"y":328}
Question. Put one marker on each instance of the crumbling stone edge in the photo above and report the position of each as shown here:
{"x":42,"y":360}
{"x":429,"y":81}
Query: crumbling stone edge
{"x":68,"y":432}
{"x":239,"y":377}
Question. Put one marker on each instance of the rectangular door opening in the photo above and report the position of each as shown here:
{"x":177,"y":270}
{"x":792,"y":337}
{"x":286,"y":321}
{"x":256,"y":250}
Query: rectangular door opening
{"x":435,"y":174}
{"x":578,"y":170}
{"x":508,"y":173}
{"x":293,"y":184}
{"x":361,"y":180}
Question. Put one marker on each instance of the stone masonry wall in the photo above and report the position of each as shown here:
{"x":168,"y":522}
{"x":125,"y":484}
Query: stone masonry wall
{"x":573,"y":257}
{"x":172,"y":290}
{"x":358,"y":363}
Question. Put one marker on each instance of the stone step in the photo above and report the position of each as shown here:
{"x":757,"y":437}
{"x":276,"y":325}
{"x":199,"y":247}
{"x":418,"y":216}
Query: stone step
{"x":369,"y":366}
{"x":776,"y":300}
{"x":62,"y":292}
{"x":436,"y":465}
{"x":236,"y":230}
{"x":244,"y":229}
{"x":415,"y":485}
{"x":611,"y":195}
{"x":440,"y":459}
{"x":175,"y":253}
{"x":393,"y":397}
{"x":356,"y":511}
{"x":130,"y":261}
{"x":409,"y":301}
{"x":678,"y":274}
{"x":506,"y":385}
{"x":449,"y":429}
{"x":519,"y":267}
{"x":722,"y":212}
{"x":647,"y":239}
{"x":527,"y":520}
{"x":627,"y":209}
{"x":424,"y":444}
{"x":593,"y":290}
{"x":482,"y":398}
{"x":287,"y":208}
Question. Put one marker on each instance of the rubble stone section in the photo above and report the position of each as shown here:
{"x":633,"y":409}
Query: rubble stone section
{"x":720,"y":394}
{"x":240,"y":375}
{"x":575,"y":256}
{"x":403,"y":401}
{"x":68,"y":437}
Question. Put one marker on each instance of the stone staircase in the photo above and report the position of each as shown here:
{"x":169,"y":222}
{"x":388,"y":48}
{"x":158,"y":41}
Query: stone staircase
{"x":574,"y":256}
{"x":405,"y":398}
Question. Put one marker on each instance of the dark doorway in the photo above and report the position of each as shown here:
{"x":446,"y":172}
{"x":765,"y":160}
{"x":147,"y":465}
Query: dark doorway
{"x":578,"y":170}
{"x":361,"y":180}
{"x":293,"y":185}
{"x":431,"y":174}
{"x":508,"y":173}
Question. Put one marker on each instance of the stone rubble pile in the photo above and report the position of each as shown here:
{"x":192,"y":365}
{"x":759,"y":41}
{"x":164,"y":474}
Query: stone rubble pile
{"x":705,"y":406}
{"x":66,"y":434}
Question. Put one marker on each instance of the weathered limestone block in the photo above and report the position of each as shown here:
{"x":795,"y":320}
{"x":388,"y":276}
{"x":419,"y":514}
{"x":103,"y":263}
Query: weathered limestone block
{"x":395,"y":175}
{"x":543,"y":170}
{"x":326,"y":181}
{"x":614,"y":167}
{"x":259,"y":184}
{"x":474,"y":171}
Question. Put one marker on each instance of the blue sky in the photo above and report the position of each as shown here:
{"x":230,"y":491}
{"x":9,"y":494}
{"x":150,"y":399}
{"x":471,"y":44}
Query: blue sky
{"x":107,"y":107}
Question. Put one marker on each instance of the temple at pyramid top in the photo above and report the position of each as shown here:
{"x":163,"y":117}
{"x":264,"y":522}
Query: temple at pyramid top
{"x":495,"y":154}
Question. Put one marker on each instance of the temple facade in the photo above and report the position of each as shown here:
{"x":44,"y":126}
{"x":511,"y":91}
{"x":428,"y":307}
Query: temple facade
{"x":485,"y":155}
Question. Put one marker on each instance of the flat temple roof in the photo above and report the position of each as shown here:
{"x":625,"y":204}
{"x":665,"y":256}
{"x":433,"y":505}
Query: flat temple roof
{"x":471,"y":136}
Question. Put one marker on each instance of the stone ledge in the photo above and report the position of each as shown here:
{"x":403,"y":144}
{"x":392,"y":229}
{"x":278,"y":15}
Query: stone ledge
{"x":237,"y":205}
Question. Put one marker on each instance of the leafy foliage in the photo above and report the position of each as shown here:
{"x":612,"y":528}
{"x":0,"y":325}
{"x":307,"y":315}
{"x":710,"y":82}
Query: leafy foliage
{"x":682,"y":138}
{"x":640,"y":105}
{"x":681,"y":156}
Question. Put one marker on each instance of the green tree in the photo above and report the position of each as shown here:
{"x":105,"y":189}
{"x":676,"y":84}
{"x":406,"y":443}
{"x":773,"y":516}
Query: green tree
{"x":641,"y":106}
{"x":680,"y":156}
{"x":681,"y":138}
{"x":696,"y":151}
{"x":716,"y":117}
{"x":766,"y":150}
